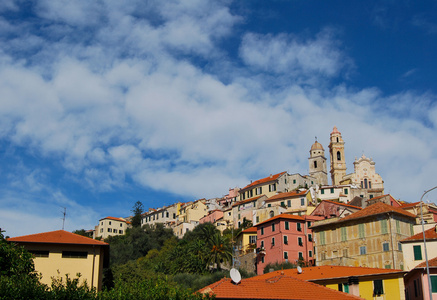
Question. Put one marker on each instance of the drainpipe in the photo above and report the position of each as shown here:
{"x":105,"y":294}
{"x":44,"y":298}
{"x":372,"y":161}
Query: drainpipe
{"x":391,"y":242}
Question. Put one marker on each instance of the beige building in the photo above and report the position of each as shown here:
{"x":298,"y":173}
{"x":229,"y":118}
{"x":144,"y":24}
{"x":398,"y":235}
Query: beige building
{"x":343,"y":193}
{"x":295,"y":202}
{"x":192,"y":211}
{"x":268,"y":186}
{"x":247,"y":210}
{"x":166,"y":215}
{"x":414,"y":251}
{"x":110,"y":226}
{"x":58,"y":253}
{"x":369,"y":237}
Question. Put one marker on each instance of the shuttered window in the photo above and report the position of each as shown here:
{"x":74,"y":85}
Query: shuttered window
{"x":417,"y":252}
{"x":343,"y":234}
{"x":361,"y":231}
{"x":384,"y":226}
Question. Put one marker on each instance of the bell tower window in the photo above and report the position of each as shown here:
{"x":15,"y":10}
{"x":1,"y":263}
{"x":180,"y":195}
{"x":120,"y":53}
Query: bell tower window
{"x":338,"y":155}
{"x":315,"y":164}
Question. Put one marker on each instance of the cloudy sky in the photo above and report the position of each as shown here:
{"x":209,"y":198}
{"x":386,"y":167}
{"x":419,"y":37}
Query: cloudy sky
{"x":104,"y":103}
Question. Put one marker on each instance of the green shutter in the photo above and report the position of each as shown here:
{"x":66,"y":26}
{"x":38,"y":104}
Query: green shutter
{"x":361,"y":232}
{"x":343,"y":234}
{"x":322,"y":238}
{"x":384,"y":226}
{"x":398,"y":226}
{"x":417,"y":252}
{"x":434,"y":284}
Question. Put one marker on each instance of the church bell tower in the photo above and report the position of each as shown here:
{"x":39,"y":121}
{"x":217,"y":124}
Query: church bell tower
{"x":317,"y":161}
{"x":338,"y":163}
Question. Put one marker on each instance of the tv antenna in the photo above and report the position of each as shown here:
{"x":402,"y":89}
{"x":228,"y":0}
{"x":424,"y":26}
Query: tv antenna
{"x":235,"y":276}
{"x":63,"y":218}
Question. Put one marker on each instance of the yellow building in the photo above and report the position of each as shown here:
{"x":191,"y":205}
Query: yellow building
{"x":268,"y":186}
{"x":367,"y":283}
{"x":58,"y":253}
{"x":369,"y":238}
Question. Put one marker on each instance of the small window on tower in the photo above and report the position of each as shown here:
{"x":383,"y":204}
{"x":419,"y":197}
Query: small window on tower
{"x":338,"y":155}
{"x":315,"y":164}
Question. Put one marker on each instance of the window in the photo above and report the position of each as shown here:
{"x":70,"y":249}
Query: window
{"x":257,"y":219}
{"x":285,"y":255}
{"x":302,"y":201}
{"x":377,"y":287}
{"x":322,"y":192}
{"x":398,"y":226}
{"x":300,"y":255}
{"x":39,"y":253}
{"x":262,"y":259}
{"x":294,"y":181}
{"x":370,"y":184}
{"x":273,"y":227}
{"x":384,"y":226}
{"x":315,"y":164}
{"x":323,"y":256}
{"x":309,"y":224}
{"x":121,"y":225}
{"x":310,"y":237}
{"x":101,"y":229}
{"x":262,"y":230}
{"x":287,"y":225}
{"x":299,"y":226}
{"x":273,"y":241}
{"x":338,"y":155}
{"x":282,"y":203}
{"x":343,"y":234}
{"x":415,"y":288}
{"x":74,"y":254}
{"x":417,"y":252}
{"x":346,"y":191}
{"x":115,"y":230}
{"x":272,"y":187}
{"x":332,"y":190}
{"x":385,"y":247}
{"x":387,"y":267}
{"x":250,"y":194}
{"x":289,"y":203}
{"x":345,"y":254}
{"x":258,"y":190}
{"x":361,"y":231}
{"x":434,"y":283}
{"x":310,"y":253}
{"x":363,"y":250}
{"x":365,"y":183}
{"x":400,"y":247}
{"x":252,"y":239}
{"x":101,"y":223}
{"x":120,"y":231}
{"x":322,"y":238}
{"x":262,"y":244}
{"x":299,"y":241}
{"x":109,"y":230}
{"x":109,"y":222}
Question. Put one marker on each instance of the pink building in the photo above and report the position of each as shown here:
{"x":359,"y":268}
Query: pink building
{"x":212,"y":216}
{"x":285,"y":238}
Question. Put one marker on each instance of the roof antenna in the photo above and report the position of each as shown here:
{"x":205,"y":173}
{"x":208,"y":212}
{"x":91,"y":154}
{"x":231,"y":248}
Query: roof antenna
{"x":63,"y":218}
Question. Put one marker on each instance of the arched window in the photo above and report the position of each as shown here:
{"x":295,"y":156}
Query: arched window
{"x":337,"y":139}
{"x":315,"y":164}
{"x":338,"y":155}
{"x":272,"y":214}
{"x":365,"y":183}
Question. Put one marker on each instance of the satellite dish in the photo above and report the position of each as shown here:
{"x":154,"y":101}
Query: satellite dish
{"x":299,"y":270}
{"x":235,"y":276}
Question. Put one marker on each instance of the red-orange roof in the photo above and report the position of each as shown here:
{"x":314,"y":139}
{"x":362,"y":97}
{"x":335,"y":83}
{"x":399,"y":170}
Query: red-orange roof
{"x":408,"y":205}
{"x":432,"y":263}
{"x":376,"y":209}
{"x":342,"y":204}
{"x":247,"y":200}
{"x":283,"y":216}
{"x":113,"y":218}
{"x":287,"y":195}
{"x":264,"y":180}
{"x":430,"y":234}
{"x":276,"y":287}
{"x":250,"y":230}
{"x":57,"y":237}
{"x":330,"y":272}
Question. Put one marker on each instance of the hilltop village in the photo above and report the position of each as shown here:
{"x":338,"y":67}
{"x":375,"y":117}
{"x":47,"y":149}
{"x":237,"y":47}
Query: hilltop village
{"x":349,"y":235}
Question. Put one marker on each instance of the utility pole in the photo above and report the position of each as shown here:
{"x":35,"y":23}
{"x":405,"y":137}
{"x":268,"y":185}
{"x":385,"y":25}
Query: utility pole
{"x":63,"y":218}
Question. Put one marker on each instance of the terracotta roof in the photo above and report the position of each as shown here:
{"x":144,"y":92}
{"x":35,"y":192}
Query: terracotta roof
{"x":277,"y":287}
{"x":283,"y":216}
{"x":376,"y":209}
{"x":287,"y":195}
{"x":57,"y":237}
{"x":250,"y":230}
{"x":408,"y":205}
{"x":335,"y":130}
{"x":330,"y":272}
{"x":264,"y":180}
{"x":343,"y":204}
{"x":432,"y":263}
{"x":430,"y":234}
{"x":113,"y":218}
{"x":317,"y":146}
{"x":247,"y":200}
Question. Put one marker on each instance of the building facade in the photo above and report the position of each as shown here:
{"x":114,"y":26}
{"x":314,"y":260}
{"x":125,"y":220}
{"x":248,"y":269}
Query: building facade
{"x":317,"y":164}
{"x":110,"y":226}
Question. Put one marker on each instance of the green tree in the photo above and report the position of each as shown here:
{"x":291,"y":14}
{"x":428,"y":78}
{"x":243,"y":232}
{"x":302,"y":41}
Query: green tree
{"x":137,"y":210}
{"x":220,"y":251}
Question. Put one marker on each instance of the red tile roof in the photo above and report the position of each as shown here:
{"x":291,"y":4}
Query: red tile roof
{"x":330,"y":272}
{"x":247,"y":200}
{"x":376,"y":209}
{"x":408,"y":205}
{"x":343,"y":204}
{"x":287,"y":195}
{"x":113,"y":218}
{"x":430,"y":234}
{"x":432,"y":263}
{"x":57,"y":237}
{"x":277,"y":287}
{"x":250,"y":230}
{"x":283,"y":216}
{"x":264,"y":180}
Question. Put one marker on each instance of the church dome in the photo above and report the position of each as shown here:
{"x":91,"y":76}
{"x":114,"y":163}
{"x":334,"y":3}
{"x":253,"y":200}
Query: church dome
{"x":317,"y":146}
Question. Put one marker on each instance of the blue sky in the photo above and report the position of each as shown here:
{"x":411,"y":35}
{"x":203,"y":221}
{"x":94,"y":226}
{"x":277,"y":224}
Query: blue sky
{"x":104,"y":103}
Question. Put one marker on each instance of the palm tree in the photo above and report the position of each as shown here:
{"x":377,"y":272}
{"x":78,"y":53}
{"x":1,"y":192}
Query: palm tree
{"x":221,"y":251}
